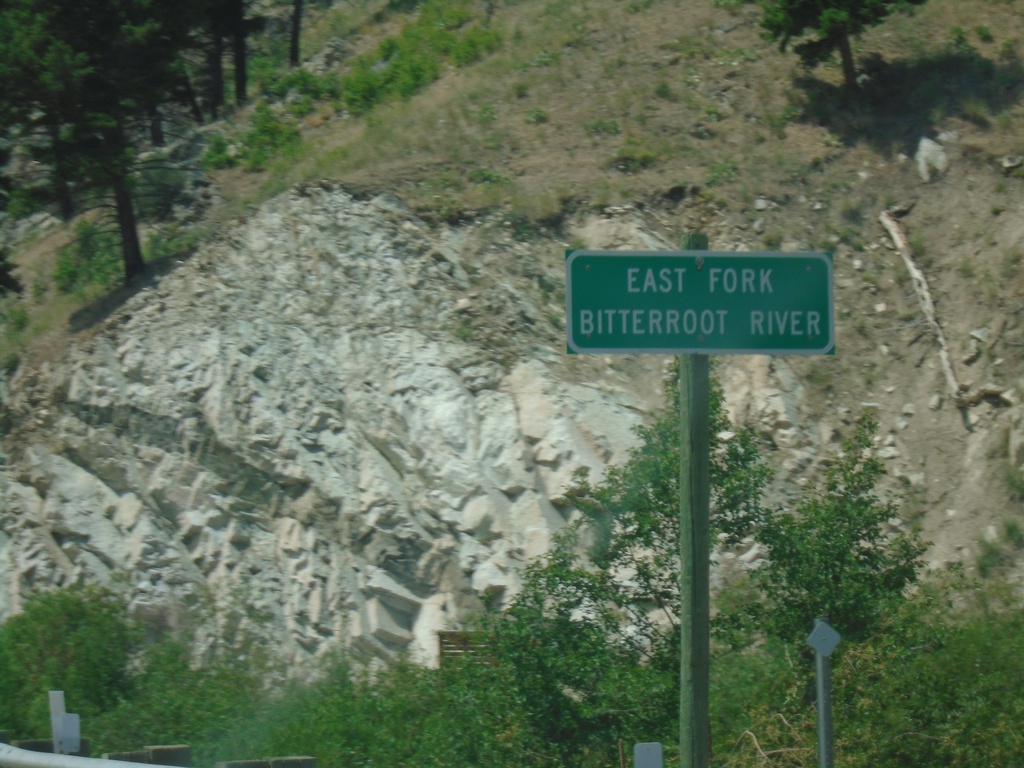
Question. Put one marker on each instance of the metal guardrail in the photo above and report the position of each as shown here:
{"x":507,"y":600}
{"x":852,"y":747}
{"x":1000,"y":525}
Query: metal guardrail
{"x":12,"y":757}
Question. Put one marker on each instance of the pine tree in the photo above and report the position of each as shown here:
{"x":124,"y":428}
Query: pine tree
{"x":830,"y":24}
{"x":78,"y":75}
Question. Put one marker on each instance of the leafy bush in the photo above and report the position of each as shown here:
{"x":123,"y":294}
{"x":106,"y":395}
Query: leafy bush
{"x":79,"y":641}
{"x":219,"y":153}
{"x":93,"y":258}
{"x":268,"y":135}
{"x":304,"y":83}
{"x":831,"y":557}
{"x":633,"y":156}
{"x":598,"y":127}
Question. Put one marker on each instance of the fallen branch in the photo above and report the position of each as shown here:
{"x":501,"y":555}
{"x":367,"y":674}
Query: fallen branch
{"x":924,"y":299}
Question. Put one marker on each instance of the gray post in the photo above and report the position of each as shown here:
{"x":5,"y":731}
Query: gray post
{"x":824,"y":684}
{"x":694,"y":552}
{"x":823,"y":639}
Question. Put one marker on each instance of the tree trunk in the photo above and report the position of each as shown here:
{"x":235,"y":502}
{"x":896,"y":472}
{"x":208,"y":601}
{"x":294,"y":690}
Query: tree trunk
{"x":215,"y":61}
{"x":126,"y":222}
{"x":61,"y":185}
{"x":189,"y":94}
{"x":239,"y":35}
{"x":293,"y":57}
{"x":849,"y":71}
{"x":156,"y":126}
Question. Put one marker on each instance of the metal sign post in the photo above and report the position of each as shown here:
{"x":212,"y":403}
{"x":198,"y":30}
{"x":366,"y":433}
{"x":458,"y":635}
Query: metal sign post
{"x":695,"y":303}
{"x":823,"y":639}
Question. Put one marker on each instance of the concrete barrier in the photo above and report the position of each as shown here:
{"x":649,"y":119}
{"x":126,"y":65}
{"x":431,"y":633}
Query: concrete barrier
{"x":46,"y":745}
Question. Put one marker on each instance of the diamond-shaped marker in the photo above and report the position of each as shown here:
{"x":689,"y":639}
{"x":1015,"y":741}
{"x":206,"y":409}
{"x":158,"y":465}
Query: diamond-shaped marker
{"x":823,"y":638}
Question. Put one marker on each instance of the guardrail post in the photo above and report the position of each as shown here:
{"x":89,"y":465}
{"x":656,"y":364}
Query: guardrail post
{"x":128,"y":757}
{"x":292,"y":761}
{"x":171,"y":754}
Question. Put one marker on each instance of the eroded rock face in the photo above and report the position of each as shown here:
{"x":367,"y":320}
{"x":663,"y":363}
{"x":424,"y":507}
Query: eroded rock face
{"x":289,"y":432}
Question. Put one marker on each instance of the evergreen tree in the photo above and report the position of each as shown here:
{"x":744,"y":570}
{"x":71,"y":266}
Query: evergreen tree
{"x":830,"y":24}
{"x":77,"y":77}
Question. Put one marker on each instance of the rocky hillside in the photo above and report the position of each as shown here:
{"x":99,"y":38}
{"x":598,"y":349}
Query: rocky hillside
{"x":345,"y":418}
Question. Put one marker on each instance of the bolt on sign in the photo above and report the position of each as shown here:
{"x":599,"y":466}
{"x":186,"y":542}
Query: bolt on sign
{"x":699,"y":302}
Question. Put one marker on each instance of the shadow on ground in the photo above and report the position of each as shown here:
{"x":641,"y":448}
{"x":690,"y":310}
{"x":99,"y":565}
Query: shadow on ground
{"x":902,"y":101}
{"x":100,"y":310}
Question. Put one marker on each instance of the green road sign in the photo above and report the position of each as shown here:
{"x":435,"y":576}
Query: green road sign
{"x":699,"y":302}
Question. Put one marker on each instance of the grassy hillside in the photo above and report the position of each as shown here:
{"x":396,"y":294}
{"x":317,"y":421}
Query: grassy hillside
{"x":682,"y":114}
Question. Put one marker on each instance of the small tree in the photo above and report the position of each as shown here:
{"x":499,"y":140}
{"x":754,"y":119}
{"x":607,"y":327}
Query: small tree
{"x":829,"y":23}
{"x":592,"y":640}
{"x":831,"y":557}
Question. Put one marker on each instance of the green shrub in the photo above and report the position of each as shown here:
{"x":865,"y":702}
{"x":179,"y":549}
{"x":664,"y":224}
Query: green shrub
{"x":17,"y":320}
{"x":487,"y":176}
{"x":633,"y":156}
{"x":219,"y":153}
{"x":268,"y":135}
{"x":93,"y":258}
{"x":404,"y":64}
{"x":304,"y":83}
{"x":536,"y":116}
{"x":599,"y":127}
{"x":722,"y":172}
{"x":79,"y":641}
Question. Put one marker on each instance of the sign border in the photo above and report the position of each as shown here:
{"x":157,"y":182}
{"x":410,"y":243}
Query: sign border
{"x":571,"y":255}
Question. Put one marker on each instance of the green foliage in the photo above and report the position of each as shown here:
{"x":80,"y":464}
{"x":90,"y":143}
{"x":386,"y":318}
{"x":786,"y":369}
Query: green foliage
{"x":77,"y":75}
{"x":592,"y":641}
{"x":79,"y":641}
{"x":602,"y":127}
{"x":831,"y":557}
{"x":302,"y":82}
{"x":17,"y":320}
{"x":175,"y":701}
{"x":91,"y":259}
{"x":828,"y":25}
{"x":403,"y":715}
{"x":158,"y":187}
{"x":8,"y":282}
{"x":268,"y":135}
{"x":633,"y":156}
{"x":405,"y":64}
{"x":722,"y":172}
{"x":536,"y":116}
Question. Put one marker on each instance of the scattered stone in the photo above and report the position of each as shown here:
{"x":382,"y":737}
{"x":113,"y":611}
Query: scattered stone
{"x":1010,"y":163}
{"x":930,"y":157}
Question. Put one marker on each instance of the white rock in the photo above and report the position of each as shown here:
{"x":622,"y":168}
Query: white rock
{"x":930,"y":157}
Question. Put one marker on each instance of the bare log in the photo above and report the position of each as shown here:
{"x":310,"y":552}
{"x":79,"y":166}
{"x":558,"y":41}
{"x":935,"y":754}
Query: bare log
{"x":924,"y":299}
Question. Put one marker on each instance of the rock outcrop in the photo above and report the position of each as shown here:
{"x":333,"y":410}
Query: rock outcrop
{"x":298,"y":433}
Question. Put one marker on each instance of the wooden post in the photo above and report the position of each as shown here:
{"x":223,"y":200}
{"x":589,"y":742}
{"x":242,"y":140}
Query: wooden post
{"x":694,"y":551}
